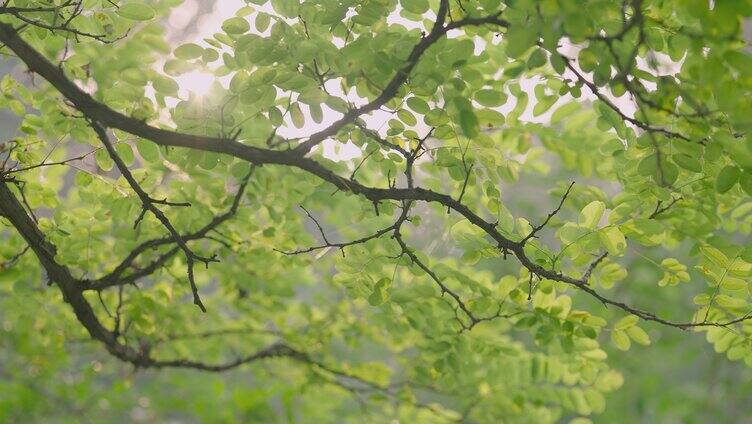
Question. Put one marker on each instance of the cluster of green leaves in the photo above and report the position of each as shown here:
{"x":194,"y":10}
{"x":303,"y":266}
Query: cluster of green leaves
{"x":502,"y":113}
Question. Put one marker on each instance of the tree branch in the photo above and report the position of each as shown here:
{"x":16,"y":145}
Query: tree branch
{"x":438,"y":30}
{"x":115,"y":277}
{"x":106,"y":116}
{"x":149,"y":204}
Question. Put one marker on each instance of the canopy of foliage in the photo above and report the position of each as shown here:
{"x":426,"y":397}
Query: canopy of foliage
{"x":512,"y":195}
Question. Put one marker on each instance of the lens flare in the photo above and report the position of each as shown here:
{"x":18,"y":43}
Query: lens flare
{"x":195,"y":82}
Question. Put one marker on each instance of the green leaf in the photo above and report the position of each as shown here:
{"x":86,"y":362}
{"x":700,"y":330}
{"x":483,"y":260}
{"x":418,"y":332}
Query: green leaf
{"x":591,"y":214}
{"x":317,"y":114}
{"x":687,"y":162}
{"x":626,"y":322}
{"x":188,"y":51}
{"x":380,"y":292}
{"x":313,"y":96}
{"x":715,"y":256}
{"x":519,"y":40}
{"x":648,"y":166}
{"x":103,"y":159}
{"x":262,"y":22}
{"x":469,"y":123}
{"x":490,"y":98}
{"x":746,"y":254}
{"x":745,"y":182}
{"x":286,"y":8}
{"x":83,"y":179}
{"x":536,"y":59}
{"x":620,"y":340}
{"x":407,"y":117}
{"x":674,"y":272}
{"x":148,"y":150}
{"x":166,"y":86}
{"x":415,"y":6}
{"x":297,"y":116}
{"x":727,"y":178}
{"x":419,"y":105}
{"x":136,"y":11}
{"x":125,"y":152}
{"x":564,"y":111}
{"x":613,"y":240}
{"x":236,"y":25}
{"x":638,"y":335}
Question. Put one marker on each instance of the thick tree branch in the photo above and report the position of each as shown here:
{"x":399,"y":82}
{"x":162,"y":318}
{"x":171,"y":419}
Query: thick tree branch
{"x":12,"y":209}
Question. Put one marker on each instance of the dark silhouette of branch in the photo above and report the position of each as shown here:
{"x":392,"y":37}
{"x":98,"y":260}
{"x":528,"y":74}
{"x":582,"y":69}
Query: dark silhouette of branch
{"x":550,"y":215}
{"x":474,"y":320}
{"x":13,"y":259}
{"x":659,"y":208}
{"x":74,"y":9}
{"x":438,"y":31}
{"x":115,"y":277}
{"x":592,"y":266}
{"x":148,"y":203}
{"x":602,"y":97}
{"x":376,"y":137}
{"x":341,"y":245}
{"x":11,"y":209}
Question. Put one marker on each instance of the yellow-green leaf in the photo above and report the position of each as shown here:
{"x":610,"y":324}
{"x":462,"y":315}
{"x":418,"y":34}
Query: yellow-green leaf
{"x":638,"y":335}
{"x":620,"y":340}
{"x":626,"y":322}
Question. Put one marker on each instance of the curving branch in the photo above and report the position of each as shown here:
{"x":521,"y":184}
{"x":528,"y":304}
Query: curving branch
{"x":340,"y":245}
{"x":13,"y":259}
{"x":148,"y":203}
{"x":550,"y":215}
{"x":116,"y":277}
{"x":602,"y":97}
{"x":438,"y":31}
{"x":11,"y":209}
{"x":659,"y":208}
{"x":74,"y":8}
{"x":474,"y":320}
{"x":106,"y":117}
